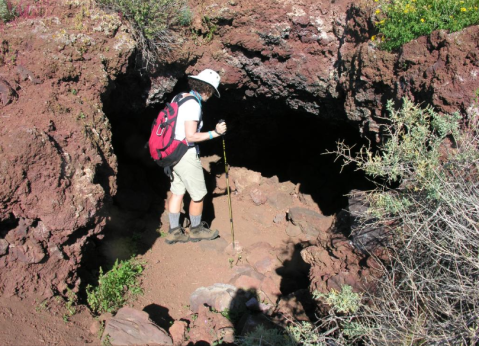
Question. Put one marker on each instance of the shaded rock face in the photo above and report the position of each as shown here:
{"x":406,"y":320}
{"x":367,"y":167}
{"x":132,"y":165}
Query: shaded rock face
{"x":57,"y":166}
{"x":317,"y":58}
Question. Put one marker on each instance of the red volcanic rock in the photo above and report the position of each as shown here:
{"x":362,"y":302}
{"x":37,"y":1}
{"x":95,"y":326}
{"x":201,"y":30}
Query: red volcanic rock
{"x":58,"y":169}
{"x":57,"y":166}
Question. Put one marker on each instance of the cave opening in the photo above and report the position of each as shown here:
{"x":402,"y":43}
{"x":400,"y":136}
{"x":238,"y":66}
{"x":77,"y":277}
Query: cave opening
{"x":264,"y":135}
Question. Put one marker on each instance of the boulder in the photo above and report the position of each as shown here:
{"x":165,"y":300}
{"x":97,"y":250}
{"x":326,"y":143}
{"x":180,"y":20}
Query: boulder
{"x":133,"y":327}
{"x":244,"y":178}
{"x":311,"y":222}
{"x":218,"y":296}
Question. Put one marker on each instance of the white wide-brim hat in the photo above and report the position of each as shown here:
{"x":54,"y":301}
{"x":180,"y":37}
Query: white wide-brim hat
{"x":210,"y":77}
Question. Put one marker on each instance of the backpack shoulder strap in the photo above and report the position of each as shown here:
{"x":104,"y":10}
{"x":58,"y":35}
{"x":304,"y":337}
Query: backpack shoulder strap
{"x":181,"y":98}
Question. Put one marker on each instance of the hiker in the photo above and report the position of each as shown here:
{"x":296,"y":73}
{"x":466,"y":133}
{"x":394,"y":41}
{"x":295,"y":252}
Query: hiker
{"x":188,"y":173}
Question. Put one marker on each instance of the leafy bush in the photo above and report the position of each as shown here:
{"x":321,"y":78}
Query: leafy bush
{"x":400,"y":21}
{"x":7,"y":11}
{"x":429,"y":291}
{"x":115,"y":287}
{"x":185,"y":16}
{"x":151,"y":21}
{"x":343,"y":302}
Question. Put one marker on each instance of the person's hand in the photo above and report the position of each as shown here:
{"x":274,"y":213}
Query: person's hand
{"x":221,"y":127}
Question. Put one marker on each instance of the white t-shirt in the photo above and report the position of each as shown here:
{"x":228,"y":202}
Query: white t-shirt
{"x":190,"y":110}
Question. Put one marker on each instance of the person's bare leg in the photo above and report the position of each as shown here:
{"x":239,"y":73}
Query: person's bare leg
{"x":174,"y":205}
{"x":196,"y":208}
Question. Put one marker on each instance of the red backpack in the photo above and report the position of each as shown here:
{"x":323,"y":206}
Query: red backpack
{"x":164,"y":148}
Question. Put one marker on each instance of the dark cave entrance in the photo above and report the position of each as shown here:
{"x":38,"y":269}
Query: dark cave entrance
{"x":264,"y":135}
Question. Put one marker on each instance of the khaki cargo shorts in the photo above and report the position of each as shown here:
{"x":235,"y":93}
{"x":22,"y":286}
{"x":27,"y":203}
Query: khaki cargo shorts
{"x":188,"y":176}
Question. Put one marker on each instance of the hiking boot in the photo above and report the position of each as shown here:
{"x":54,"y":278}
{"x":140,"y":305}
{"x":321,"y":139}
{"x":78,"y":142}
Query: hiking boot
{"x":202,"y":232}
{"x":177,"y":235}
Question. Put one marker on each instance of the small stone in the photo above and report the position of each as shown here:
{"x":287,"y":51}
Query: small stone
{"x":258,"y":197}
{"x":279,"y":218}
{"x":95,"y":328}
{"x":293,"y":231}
{"x":3,"y":247}
{"x":218,"y":296}
{"x":178,"y":332}
{"x":29,"y":253}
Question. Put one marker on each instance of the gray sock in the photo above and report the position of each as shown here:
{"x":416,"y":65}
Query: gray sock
{"x":174,"y":220}
{"x":195,"y":220}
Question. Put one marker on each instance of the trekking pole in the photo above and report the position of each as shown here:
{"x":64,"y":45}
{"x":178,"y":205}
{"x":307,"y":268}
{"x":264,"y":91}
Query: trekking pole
{"x":228,"y":188}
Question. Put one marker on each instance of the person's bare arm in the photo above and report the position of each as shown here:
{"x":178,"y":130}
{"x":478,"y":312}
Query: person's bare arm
{"x":193,"y":137}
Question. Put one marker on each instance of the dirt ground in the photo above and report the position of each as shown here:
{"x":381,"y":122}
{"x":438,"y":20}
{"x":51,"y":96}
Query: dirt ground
{"x":172,"y":274}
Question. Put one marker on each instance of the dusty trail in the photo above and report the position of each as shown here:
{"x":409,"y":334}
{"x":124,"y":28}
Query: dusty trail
{"x":175,"y":271}
{"x":172,"y":273}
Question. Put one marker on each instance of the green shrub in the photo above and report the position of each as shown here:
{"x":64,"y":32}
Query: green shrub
{"x":185,"y":16}
{"x":428,"y":293}
{"x":115,"y":287}
{"x":152,"y":21}
{"x":7,"y":11}
{"x":400,"y":21}
{"x":345,"y":301}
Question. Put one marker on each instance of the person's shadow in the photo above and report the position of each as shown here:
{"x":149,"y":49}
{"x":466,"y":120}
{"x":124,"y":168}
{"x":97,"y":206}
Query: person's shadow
{"x":159,"y":315}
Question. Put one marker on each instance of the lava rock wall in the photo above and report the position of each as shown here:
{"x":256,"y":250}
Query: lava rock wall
{"x":57,"y":165}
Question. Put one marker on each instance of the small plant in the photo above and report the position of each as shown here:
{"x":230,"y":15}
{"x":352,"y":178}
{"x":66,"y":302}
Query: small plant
{"x":151,"y":21}
{"x":184,"y":16}
{"x":306,"y":334}
{"x":211,"y":28}
{"x":7,"y":11}
{"x":101,"y":330}
{"x":70,"y":305}
{"x":218,"y":342}
{"x":233,"y":261}
{"x":13,"y":58}
{"x":106,"y":341}
{"x":345,"y":301}
{"x":42,"y":306}
{"x":115,"y":287}
{"x":400,"y":21}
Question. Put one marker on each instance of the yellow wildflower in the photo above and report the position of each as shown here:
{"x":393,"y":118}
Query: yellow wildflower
{"x":406,"y":11}
{"x":373,"y":37}
{"x":463,"y":9}
{"x":422,"y":20}
{"x":378,"y":11}
{"x":382,"y":21}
